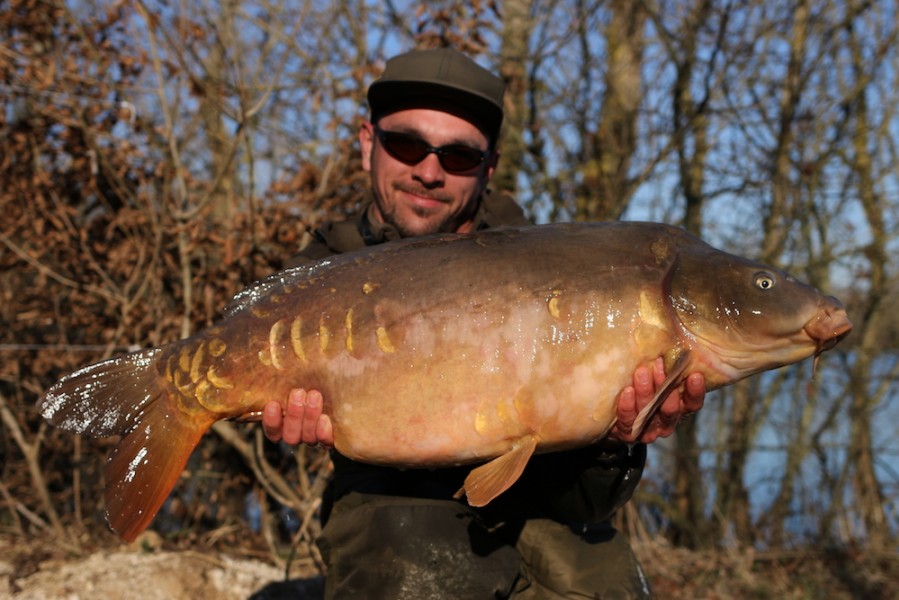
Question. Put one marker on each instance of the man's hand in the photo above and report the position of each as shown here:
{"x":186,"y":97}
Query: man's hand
{"x":300,"y":421}
{"x":673,"y":409}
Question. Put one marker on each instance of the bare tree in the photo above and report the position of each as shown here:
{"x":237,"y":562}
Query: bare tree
{"x":865,"y":136}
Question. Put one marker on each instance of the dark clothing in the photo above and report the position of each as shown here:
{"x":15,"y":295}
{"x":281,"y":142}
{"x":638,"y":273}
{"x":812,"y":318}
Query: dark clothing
{"x":337,"y":237}
{"x":392,"y":533}
{"x":392,"y":547}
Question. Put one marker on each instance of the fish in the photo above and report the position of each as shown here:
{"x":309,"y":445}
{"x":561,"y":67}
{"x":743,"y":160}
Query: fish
{"x":452,"y":349}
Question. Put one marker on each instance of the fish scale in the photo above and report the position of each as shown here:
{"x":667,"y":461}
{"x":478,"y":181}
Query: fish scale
{"x":475,"y":349}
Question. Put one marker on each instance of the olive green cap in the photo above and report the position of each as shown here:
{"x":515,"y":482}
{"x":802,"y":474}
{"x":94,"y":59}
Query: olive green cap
{"x":443,"y":78}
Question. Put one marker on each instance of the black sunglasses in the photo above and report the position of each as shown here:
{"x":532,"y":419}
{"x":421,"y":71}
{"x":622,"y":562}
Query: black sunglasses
{"x":411,"y":149}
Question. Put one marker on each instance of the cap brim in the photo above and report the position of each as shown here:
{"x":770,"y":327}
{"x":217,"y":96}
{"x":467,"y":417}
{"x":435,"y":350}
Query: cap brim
{"x":387,"y":97}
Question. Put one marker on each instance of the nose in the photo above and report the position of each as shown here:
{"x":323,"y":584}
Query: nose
{"x":429,"y":172}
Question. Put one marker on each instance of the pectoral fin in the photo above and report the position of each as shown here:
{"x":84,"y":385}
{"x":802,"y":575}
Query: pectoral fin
{"x":674,"y":377}
{"x":490,"y":480}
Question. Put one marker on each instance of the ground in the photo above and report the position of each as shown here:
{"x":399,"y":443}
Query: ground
{"x":35,"y":570}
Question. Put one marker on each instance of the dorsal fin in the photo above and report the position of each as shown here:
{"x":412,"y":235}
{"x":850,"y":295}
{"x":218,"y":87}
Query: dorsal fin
{"x":259,"y":290}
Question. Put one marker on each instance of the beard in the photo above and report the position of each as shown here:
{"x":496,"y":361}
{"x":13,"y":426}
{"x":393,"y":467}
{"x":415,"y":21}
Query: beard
{"x":414,"y":220}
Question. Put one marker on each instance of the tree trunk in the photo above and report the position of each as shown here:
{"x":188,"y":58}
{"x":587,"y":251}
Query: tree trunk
{"x":607,"y":187}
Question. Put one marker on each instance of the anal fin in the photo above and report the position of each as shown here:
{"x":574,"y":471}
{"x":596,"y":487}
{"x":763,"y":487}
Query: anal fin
{"x":490,"y":480}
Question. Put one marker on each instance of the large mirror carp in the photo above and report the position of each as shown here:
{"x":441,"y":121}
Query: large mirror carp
{"x":451,"y":349}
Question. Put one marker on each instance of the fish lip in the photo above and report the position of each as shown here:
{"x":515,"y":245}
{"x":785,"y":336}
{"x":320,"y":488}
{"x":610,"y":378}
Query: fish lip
{"x":828,"y":327}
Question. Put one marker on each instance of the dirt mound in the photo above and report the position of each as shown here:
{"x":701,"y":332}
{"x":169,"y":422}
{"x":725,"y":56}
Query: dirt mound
{"x":45,"y":574}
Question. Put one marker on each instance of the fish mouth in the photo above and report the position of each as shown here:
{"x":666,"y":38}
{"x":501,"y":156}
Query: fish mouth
{"x":829,"y":326}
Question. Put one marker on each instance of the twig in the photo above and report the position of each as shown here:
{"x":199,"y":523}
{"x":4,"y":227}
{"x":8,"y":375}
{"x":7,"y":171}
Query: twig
{"x":13,"y":507}
{"x":45,"y":270}
{"x":270,"y":479}
{"x":32,"y":459}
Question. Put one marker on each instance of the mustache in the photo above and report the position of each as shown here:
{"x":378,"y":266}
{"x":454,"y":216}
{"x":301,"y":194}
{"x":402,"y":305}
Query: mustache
{"x":423,"y":192}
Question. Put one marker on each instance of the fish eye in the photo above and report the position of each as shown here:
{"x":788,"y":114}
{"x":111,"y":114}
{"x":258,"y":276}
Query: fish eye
{"x":764,"y":281}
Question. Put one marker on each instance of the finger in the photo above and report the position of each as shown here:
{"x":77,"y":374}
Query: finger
{"x":311,"y":416}
{"x":669,"y":414}
{"x":644,"y":388}
{"x":271,"y":420}
{"x":325,"y":432}
{"x":672,"y":406}
{"x":292,"y":432}
{"x":627,"y":406}
{"x":627,"y":414}
{"x":666,"y":418}
{"x":646,"y":380}
{"x":658,"y":371}
{"x":650,"y":434}
{"x":694,"y":392}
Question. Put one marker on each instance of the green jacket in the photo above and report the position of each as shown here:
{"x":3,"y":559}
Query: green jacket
{"x":579,"y":486}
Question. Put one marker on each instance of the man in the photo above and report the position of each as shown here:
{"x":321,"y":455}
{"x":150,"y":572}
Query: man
{"x":430,"y":147}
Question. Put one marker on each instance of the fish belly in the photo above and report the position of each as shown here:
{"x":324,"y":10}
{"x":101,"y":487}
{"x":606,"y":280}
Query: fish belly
{"x":462,"y":390}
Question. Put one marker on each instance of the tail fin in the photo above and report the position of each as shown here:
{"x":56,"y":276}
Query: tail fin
{"x":127,"y":396}
{"x":145,"y":466}
{"x":106,"y":398}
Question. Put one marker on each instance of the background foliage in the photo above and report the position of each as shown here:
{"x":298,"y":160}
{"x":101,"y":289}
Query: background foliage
{"x":157,"y":157}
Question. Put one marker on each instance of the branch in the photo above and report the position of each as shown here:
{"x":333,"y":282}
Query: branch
{"x":32,"y":459}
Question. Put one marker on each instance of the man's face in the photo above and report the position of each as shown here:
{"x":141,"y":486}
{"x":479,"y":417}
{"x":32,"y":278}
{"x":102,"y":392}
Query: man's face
{"x":424,"y":198}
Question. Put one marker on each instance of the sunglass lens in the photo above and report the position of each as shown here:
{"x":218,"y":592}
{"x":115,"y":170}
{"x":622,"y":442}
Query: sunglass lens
{"x":404,"y":147}
{"x":460,"y":158}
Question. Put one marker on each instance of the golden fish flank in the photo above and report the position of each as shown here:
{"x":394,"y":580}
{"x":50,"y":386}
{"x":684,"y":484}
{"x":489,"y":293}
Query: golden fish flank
{"x":265,"y":357}
{"x":191,"y":375}
{"x":296,"y":340}
{"x":204,"y":392}
{"x":652,"y":314}
{"x":183,"y":383}
{"x":196,"y":361}
{"x":494,"y":415}
{"x":260,"y":311}
{"x":217,"y":347}
{"x":222,"y":383}
{"x":553,"y":303}
{"x":384,"y":342}
{"x":324,"y":337}
{"x":184,"y":359}
{"x":348,"y":324}
{"x":275,"y":336}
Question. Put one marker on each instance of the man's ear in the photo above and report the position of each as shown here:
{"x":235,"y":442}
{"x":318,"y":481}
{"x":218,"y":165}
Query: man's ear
{"x":366,"y":143}
{"x":492,"y":161}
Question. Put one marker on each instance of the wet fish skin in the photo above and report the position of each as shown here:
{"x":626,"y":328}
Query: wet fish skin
{"x":450,"y":350}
